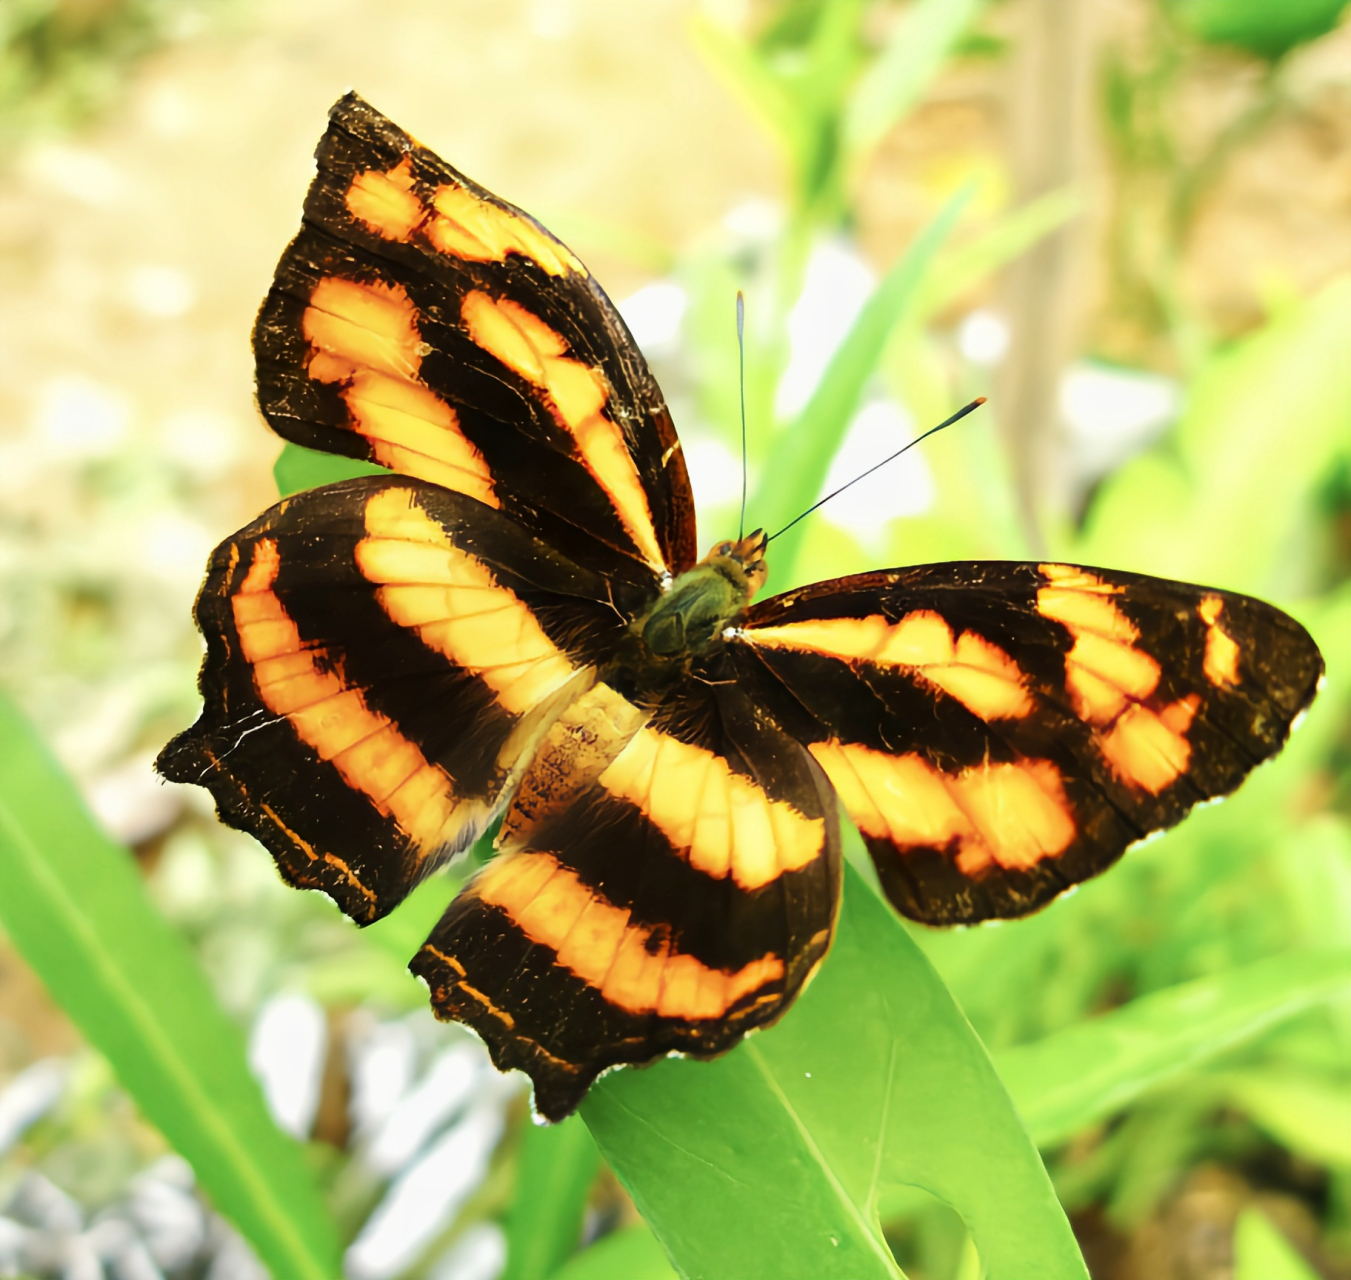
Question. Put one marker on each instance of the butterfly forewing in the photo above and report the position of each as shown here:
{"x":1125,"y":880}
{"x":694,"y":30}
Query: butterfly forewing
{"x":1000,"y":732}
{"x":677,"y":902}
{"x":420,"y":322}
{"x":381,"y":656}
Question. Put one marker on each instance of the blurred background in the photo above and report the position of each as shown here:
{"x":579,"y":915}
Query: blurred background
{"x":1139,"y":215}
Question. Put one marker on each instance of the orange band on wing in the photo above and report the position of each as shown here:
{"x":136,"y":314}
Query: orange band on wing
{"x":1007,"y":815}
{"x":979,"y":674}
{"x":386,"y":202}
{"x":630,"y":965}
{"x":577,"y":395}
{"x":1104,"y":671}
{"x":456,"y":606}
{"x":365,"y":337}
{"x":466,"y":226}
{"x":1221,"y":661}
{"x":458,"y":222}
{"x":1150,"y":748}
{"x":721,"y":822}
{"x":300,"y":682}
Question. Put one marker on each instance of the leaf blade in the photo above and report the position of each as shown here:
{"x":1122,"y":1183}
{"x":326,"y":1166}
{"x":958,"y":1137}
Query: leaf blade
{"x":1094,"y":1068}
{"x":554,"y":1172}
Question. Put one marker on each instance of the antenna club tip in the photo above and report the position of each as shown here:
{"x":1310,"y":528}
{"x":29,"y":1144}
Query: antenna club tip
{"x":977,"y":402}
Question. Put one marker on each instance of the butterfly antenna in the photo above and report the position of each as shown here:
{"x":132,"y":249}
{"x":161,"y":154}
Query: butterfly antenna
{"x":947,"y":422}
{"x":741,"y":368}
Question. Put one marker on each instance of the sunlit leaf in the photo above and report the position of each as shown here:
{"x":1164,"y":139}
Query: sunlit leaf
{"x":1262,"y":1253}
{"x":299,"y":468}
{"x":1093,"y":1069}
{"x":1309,"y":1116}
{"x":74,"y":905}
{"x":773,"y":1159}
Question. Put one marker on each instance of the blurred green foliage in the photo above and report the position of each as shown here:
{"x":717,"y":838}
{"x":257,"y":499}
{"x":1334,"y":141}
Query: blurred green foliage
{"x":1258,"y":26}
{"x":63,"y":61}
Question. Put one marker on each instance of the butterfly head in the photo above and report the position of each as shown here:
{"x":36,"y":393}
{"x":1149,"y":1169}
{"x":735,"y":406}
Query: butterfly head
{"x":742,"y":560}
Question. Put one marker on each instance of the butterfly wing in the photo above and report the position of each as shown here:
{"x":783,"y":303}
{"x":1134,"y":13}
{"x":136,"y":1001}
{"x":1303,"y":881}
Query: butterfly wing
{"x":419,"y":322}
{"x":999,"y":732}
{"x":679,"y":900}
{"x":382,"y":656}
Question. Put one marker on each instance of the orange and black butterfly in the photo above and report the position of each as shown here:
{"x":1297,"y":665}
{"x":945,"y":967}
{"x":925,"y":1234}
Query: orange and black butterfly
{"x":514,"y":623}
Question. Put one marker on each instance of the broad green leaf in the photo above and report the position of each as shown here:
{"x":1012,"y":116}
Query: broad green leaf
{"x":299,"y":468}
{"x":901,"y":73}
{"x":1095,"y":1068}
{"x":555,"y":1168}
{"x":804,"y":449}
{"x":630,"y":1254}
{"x":772,"y":1160}
{"x":74,"y":905}
{"x":1262,"y":1253}
{"x":1308,"y":1115}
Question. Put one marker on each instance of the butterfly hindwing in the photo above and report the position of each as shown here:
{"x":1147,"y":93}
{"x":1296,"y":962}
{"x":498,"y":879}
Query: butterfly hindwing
{"x":420,"y":322}
{"x":1000,"y":732}
{"x":677,"y":902}
{"x":381,"y":656}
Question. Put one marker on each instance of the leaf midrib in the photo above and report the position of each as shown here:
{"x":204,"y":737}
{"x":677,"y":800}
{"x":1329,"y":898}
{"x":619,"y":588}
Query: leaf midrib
{"x":853,"y":1210}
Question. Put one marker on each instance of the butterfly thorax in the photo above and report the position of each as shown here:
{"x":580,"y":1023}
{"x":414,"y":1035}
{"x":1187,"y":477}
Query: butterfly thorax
{"x":694,"y":611}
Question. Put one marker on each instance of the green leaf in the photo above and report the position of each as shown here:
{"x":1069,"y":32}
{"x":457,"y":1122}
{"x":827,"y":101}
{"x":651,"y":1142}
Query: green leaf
{"x":772,"y":1160}
{"x":1267,"y":29}
{"x":299,"y":468}
{"x":904,"y":69}
{"x":630,"y":1254}
{"x":804,"y":450}
{"x":1095,"y":1068}
{"x":1308,"y":1115}
{"x":554,"y":1171}
{"x":74,"y":905}
{"x":1262,"y":1253}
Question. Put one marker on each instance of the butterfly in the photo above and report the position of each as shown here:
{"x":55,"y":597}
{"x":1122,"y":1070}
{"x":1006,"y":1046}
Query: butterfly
{"x":513,"y":622}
